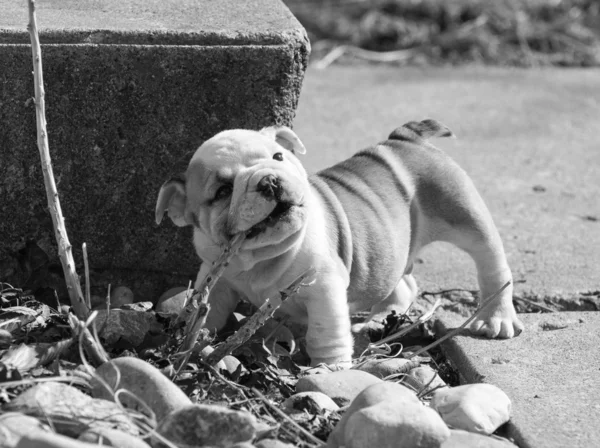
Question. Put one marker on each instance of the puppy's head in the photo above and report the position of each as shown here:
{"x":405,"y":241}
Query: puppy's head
{"x":241,"y":181}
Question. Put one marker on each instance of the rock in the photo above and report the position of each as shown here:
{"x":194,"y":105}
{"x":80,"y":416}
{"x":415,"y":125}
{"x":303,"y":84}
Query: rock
{"x":423,"y":378}
{"x":144,"y":381}
{"x":342,"y":386}
{"x":273,"y":443}
{"x":172,"y":301}
{"x":480,"y":408}
{"x":112,"y":437}
{"x":121,"y":295}
{"x":313,"y":402}
{"x":392,"y":424}
{"x":229,"y":363}
{"x":5,"y":339}
{"x":126,"y":328}
{"x":242,"y":445}
{"x":14,"y":425}
{"x":199,"y":424}
{"x":372,"y":395}
{"x":464,"y":439}
{"x":382,"y":368}
{"x":51,"y":440}
{"x":69,"y":410}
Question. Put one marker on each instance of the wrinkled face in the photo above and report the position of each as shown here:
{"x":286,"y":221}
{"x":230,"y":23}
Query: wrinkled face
{"x":244,"y":181}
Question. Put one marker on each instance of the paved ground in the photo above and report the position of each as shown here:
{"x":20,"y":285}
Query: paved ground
{"x":528,"y":138}
{"x":550,"y":373}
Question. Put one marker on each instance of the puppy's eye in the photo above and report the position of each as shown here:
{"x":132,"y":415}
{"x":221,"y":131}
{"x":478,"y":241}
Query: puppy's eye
{"x":278,"y":156}
{"x":223,"y":192}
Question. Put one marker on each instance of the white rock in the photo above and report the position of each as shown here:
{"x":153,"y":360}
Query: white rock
{"x":464,"y":439}
{"x":374,"y":394}
{"x":273,"y":443}
{"x":382,"y":368}
{"x":14,"y":426}
{"x":313,"y":402}
{"x":423,"y":378}
{"x":480,"y":408}
{"x":144,"y":381}
{"x":172,"y":301}
{"x":393,"y":424}
{"x":51,"y":440}
{"x":211,"y":425}
{"x":112,"y":437}
{"x":342,"y":386}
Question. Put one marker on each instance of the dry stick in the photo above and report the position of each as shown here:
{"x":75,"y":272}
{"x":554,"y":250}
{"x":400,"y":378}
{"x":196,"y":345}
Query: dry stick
{"x":483,"y":306}
{"x":91,"y":345}
{"x":257,"y":320}
{"x":88,"y":298}
{"x":64,"y":247}
{"x":197,"y":318}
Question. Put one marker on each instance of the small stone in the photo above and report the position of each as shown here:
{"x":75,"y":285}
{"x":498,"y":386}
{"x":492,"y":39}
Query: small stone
{"x":14,"y":425}
{"x":242,"y":445}
{"x":212,"y":425}
{"x":480,"y":408}
{"x":383,"y":368}
{"x":374,"y":394}
{"x":423,"y":378}
{"x":112,"y":437}
{"x":121,"y":295}
{"x":392,"y":424}
{"x":126,"y":328}
{"x":144,"y":381}
{"x":51,"y":440}
{"x":69,"y":410}
{"x":313,"y":402}
{"x":342,"y":386}
{"x":229,"y":363}
{"x":172,"y":301}
{"x":273,"y":443}
{"x":464,"y":439}
{"x":5,"y":339}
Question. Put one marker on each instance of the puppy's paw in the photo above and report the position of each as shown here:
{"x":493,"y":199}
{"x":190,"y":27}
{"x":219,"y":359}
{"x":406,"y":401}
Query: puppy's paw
{"x":499,"y":324}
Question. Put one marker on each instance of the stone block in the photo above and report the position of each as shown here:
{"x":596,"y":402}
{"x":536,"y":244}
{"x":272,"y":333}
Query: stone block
{"x":132,"y":89}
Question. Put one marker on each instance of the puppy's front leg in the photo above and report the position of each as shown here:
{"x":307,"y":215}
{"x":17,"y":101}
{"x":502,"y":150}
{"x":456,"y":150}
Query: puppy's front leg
{"x":328,"y":338}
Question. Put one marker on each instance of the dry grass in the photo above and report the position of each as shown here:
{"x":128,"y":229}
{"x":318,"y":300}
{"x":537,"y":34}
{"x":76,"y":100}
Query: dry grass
{"x":503,"y":32}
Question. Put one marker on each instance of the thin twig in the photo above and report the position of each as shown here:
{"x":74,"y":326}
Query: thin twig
{"x":258,"y":319}
{"x":539,"y":305}
{"x":483,"y":306}
{"x":86,"y":266}
{"x":288,"y":419}
{"x":199,"y":301}
{"x":60,"y":231}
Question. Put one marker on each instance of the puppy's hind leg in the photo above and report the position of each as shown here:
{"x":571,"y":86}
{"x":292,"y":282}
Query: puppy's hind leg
{"x":399,"y":301}
{"x":479,"y":237}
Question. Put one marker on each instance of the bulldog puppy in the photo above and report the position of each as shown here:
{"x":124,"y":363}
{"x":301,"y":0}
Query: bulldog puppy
{"x":360,"y":224}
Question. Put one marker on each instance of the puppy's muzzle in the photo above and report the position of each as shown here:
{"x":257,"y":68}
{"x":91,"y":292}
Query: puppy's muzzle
{"x":270,"y":187}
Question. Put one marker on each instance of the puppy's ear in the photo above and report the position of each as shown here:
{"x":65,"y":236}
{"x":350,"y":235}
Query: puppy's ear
{"x":285,"y":137}
{"x":171,"y":199}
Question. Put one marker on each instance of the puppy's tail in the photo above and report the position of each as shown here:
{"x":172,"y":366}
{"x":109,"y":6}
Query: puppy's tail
{"x":414,"y":131}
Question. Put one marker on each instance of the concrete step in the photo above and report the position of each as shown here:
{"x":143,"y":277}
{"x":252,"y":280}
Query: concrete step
{"x":551,"y":372}
{"x":131,"y":88}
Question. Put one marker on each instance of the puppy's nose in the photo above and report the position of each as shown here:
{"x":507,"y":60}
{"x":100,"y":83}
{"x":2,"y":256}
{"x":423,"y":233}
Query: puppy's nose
{"x":269,"y":186}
